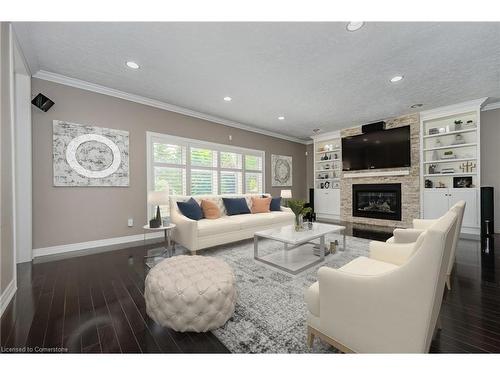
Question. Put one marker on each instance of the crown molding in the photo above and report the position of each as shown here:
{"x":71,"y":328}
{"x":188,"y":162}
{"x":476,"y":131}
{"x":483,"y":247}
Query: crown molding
{"x":326,"y":136}
{"x":489,"y":107}
{"x":84,"y":85}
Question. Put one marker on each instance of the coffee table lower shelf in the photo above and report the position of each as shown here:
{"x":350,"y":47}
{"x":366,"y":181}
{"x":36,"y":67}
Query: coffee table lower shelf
{"x":299,"y":255}
{"x":292,"y":260}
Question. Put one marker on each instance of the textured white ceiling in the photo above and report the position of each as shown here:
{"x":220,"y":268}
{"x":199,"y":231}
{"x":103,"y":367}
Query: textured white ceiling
{"x":317,"y":75}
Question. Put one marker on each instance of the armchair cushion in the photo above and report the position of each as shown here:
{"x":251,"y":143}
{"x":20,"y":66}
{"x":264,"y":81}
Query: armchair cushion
{"x":364,"y":266}
{"x":406,"y":235}
{"x":395,"y":253}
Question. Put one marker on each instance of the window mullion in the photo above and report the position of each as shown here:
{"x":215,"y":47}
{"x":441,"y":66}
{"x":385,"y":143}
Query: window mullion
{"x":188,"y":170}
{"x":218,"y":172}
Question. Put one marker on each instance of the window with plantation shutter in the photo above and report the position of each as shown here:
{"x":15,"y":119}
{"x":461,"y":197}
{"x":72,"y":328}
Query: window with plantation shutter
{"x":203,"y":182}
{"x":230,"y":160}
{"x":191,"y":167}
{"x":253,"y":182}
{"x":230,"y":182}
{"x":203,"y":157}
{"x":253,"y":163}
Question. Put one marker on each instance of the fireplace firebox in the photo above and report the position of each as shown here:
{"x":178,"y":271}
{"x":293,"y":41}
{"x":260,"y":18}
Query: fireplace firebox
{"x":377,"y":201}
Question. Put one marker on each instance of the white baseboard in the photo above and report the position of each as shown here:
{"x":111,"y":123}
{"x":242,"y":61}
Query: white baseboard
{"x":59,"y":249}
{"x":7,"y":295}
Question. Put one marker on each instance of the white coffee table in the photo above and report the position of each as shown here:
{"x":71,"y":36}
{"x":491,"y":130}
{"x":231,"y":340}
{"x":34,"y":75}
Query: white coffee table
{"x":297,"y":256}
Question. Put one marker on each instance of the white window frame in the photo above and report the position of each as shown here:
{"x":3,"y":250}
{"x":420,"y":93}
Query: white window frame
{"x":188,"y":143}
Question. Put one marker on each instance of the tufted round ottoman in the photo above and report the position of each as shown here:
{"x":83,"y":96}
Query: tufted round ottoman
{"x":190,"y":293}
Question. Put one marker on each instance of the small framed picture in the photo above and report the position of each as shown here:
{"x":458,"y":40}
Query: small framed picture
{"x":462,"y":182}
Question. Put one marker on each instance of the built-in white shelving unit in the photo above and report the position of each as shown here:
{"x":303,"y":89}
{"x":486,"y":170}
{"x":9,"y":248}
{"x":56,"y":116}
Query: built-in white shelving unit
{"x":450,"y":161}
{"x":327,"y":174}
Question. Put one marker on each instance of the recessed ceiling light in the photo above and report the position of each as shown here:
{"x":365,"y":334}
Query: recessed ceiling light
{"x":354,"y":26}
{"x":132,"y":65}
{"x":281,"y":117}
{"x":396,"y":79}
{"x":227,"y":98}
{"x":416,"y":105}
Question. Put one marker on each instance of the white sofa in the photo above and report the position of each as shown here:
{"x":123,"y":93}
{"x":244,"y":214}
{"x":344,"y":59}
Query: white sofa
{"x":388,"y":303}
{"x":420,"y":225}
{"x":195,"y":235}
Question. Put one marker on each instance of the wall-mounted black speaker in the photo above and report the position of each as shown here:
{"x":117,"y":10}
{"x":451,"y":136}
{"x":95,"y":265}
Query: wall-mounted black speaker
{"x":42,"y":102}
{"x":375,"y":127}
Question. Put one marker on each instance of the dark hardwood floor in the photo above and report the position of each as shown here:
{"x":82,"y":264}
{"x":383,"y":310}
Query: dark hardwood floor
{"x":95,"y":304}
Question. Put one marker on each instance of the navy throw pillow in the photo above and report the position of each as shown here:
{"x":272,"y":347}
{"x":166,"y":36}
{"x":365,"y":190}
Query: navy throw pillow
{"x":275,"y":204}
{"x":191,"y":209}
{"x":236,"y":206}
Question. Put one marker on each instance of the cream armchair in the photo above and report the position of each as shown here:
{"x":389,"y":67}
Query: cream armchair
{"x":371,"y":305}
{"x":419,"y":225}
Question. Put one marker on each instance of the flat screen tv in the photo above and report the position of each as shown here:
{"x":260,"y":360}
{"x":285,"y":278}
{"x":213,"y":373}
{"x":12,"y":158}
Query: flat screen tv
{"x":379,"y":149}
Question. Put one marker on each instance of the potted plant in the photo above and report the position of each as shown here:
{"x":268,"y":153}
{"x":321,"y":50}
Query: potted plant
{"x":297,"y":207}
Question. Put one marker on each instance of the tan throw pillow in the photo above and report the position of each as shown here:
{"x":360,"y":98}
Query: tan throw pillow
{"x":210,"y":209}
{"x":260,"y":205}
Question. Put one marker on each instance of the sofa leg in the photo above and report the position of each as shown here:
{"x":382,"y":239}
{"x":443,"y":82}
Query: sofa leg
{"x":439,"y":325}
{"x":448,"y":282}
{"x":310,"y":337}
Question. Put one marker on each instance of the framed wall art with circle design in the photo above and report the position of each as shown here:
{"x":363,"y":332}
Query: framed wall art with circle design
{"x":85,"y":155}
{"x":281,"y":170}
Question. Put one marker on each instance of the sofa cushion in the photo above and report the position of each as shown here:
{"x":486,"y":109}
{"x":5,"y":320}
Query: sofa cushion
{"x":255,"y":220}
{"x":191,"y":209}
{"x":218,"y":226}
{"x":367,"y":267}
{"x":275,"y":204}
{"x":282,"y":216}
{"x":210,"y":209}
{"x":236,"y":206}
{"x":260,"y":205}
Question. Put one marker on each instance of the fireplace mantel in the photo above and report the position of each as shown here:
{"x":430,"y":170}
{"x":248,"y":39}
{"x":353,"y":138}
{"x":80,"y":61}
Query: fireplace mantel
{"x":402,"y":172}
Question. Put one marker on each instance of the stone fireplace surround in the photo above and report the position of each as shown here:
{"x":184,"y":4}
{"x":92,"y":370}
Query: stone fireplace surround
{"x":410,"y":183}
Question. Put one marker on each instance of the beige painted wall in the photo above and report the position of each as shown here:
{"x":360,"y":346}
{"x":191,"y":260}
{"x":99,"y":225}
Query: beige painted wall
{"x":6,"y":208}
{"x":490,"y":141}
{"x":65,"y":215}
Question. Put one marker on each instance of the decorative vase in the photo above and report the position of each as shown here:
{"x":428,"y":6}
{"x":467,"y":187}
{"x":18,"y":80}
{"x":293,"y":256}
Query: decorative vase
{"x":154,"y":223}
{"x":299,"y":220}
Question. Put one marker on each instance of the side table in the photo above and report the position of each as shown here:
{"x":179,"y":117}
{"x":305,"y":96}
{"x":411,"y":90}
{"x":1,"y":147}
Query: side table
{"x":153,"y":255}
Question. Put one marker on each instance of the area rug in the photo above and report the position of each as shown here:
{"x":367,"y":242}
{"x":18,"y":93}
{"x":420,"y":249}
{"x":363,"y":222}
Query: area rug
{"x":270,"y":314}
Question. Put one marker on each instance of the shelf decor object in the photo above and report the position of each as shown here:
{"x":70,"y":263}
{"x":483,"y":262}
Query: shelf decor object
{"x":450,"y":145}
